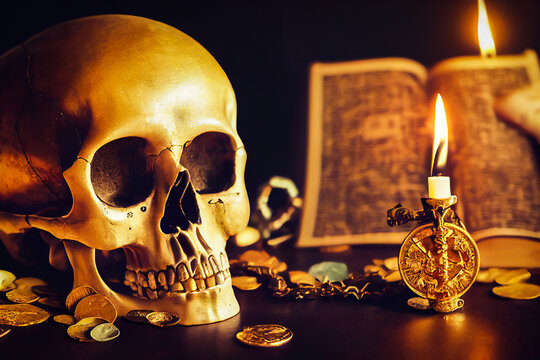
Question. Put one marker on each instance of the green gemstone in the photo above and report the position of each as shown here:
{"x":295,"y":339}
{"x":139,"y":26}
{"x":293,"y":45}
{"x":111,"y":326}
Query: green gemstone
{"x":329,"y":271}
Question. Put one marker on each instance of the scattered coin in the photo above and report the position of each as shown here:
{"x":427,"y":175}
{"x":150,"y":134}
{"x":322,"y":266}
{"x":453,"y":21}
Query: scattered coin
{"x":512,"y":276}
{"x":6,"y":281}
{"x":392,"y":276}
{"x":245,"y":282}
{"x":391,"y":263}
{"x":138,"y":316}
{"x":419,"y":303}
{"x":77,"y":294}
{"x":65,"y":319}
{"x":489,"y":275}
{"x":7,"y":287}
{"x":4,"y":330}
{"x":334,"y":249}
{"x":262,"y":258}
{"x":81,"y":330}
{"x":104,"y":332}
{"x":378,"y":262}
{"x":302,"y":277}
{"x":95,"y":306}
{"x":247,"y":237}
{"x":372,"y":269}
{"x":266,"y":335}
{"x":23,"y":293}
{"x":162,"y":318}
{"x":521,"y":291}
{"x":22,"y":315}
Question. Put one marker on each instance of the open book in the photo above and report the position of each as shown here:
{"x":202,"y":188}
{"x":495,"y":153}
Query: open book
{"x":369,"y":148}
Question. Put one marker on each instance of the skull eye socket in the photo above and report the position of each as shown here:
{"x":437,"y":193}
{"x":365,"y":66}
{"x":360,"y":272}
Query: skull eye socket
{"x":210,"y":159}
{"x":120,"y":173}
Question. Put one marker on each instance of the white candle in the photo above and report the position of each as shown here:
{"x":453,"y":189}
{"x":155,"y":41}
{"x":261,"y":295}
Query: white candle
{"x":439,"y":187}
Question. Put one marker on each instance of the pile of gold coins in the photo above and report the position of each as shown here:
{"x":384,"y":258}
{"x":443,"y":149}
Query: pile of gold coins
{"x":511,"y":283}
{"x":89,"y":316}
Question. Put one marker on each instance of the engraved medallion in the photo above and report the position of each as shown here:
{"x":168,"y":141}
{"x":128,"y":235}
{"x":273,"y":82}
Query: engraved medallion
{"x":439,"y":266}
{"x":267,"y":335}
{"x":162,"y":318}
{"x":22,"y":315}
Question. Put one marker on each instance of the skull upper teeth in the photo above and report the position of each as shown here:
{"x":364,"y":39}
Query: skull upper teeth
{"x":200,"y":274}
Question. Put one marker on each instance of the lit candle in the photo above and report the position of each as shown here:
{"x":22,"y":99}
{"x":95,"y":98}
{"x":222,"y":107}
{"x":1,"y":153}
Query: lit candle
{"x":439,"y":186}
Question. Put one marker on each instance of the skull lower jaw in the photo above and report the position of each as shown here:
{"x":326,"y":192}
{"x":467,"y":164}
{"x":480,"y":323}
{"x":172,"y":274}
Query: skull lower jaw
{"x":194,"y":307}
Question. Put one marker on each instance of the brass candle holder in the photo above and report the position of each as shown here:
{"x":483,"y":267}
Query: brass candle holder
{"x":438,"y":259}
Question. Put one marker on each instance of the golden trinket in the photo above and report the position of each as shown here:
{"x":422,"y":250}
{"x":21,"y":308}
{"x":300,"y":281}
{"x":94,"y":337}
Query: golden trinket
{"x":438,"y":260}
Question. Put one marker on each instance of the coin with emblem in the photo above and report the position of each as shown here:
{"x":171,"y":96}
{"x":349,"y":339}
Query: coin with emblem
{"x":162,"y":318}
{"x":138,"y":316}
{"x":439,"y":267}
{"x":266,"y":335}
{"x":22,"y":315}
{"x":77,"y":295}
{"x":104,"y":332}
{"x":96,"y":306}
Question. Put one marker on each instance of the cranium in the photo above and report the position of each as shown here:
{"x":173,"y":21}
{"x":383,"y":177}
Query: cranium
{"x":119,"y":132}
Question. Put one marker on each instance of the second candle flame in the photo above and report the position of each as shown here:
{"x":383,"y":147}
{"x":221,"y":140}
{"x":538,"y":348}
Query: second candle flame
{"x":440,"y":139}
{"x":485,"y":39}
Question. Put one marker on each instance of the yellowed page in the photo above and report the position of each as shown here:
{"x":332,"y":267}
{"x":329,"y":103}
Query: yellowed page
{"x":495,"y":171}
{"x":367,"y":150}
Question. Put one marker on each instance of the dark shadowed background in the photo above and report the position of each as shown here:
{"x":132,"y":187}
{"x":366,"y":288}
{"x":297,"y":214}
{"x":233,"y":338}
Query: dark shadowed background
{"x":265,"y":47}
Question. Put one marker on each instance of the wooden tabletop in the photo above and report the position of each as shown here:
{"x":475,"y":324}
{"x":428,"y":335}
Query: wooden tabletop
{"x":487,"y":327}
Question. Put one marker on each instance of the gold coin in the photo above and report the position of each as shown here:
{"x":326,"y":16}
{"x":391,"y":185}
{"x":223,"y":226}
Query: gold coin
{"x":378,"y":262}
{"x":104,"y":332}
{"x":81,"y":330}
{"x":96,"y":306}
{"x":77,"y":294}
{"x":266,"y":335}
{"x":245,"y":282}
{"x":23,"y":293}
{"x":262,"y":258}
{"x":439,"y":269}
{"x":302,"y":278}
{"x":138,"y":316}
{"x":489,"y":275}
{"x":391,"y":263}
{"x":371,"y":269}
{"x":6,"y":281}
{"x":4,"y":330}
{"x":521,"y":291}
{"x":22,"y":315}
{"x":419,"y":303}
{"x":392,"y":277}
{"x":65,"y":319}
{"x":7,"y":286}
{"x":247,"y":237}
{"x":512,"y":277}
{"x":162,"y":318}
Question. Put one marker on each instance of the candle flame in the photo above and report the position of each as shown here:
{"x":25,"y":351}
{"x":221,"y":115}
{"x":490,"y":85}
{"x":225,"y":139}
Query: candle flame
{"x":440,"y":139}
{"x":485,"y":39}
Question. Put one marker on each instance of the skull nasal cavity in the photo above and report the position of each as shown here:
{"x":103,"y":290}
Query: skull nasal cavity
{"x":181,"y":209}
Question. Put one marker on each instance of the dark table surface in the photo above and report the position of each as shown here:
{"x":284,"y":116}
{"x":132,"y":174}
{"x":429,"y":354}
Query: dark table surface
{"x":487,"y":327}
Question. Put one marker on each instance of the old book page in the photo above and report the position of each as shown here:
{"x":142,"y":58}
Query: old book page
{"x":495,"y":171}
{"x":369,"y":147}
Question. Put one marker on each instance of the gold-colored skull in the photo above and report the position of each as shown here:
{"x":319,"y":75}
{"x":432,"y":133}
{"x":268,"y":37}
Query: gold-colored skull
{"x":119,"y":132}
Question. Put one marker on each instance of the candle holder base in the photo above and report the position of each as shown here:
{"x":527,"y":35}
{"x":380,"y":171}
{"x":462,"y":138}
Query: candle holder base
{"x":438,"y":259}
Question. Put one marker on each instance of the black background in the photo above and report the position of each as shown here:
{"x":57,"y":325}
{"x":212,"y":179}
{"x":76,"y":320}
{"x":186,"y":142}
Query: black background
{"x":266,"y":47}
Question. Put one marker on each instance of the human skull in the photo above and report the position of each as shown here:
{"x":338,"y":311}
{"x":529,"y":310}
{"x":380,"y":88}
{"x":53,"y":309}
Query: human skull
{"x":119,"y":132}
